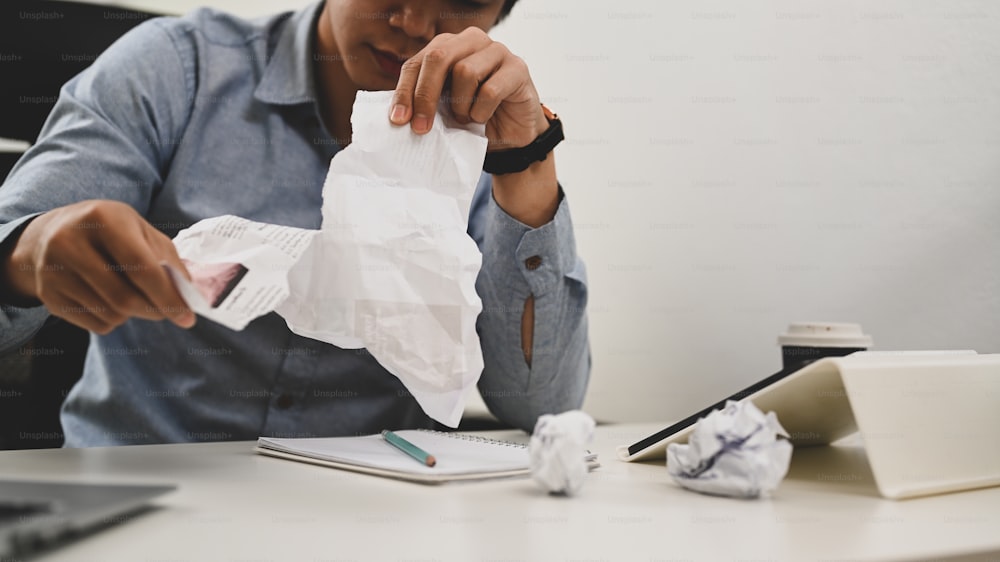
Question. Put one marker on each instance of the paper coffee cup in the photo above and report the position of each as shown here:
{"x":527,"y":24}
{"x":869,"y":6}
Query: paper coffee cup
{"x":804,"y":342}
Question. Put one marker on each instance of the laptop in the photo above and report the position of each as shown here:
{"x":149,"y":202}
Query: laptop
{"x":38,"y":515}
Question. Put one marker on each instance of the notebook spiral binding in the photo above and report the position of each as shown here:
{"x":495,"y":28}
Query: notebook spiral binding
{"x":476,"y":439}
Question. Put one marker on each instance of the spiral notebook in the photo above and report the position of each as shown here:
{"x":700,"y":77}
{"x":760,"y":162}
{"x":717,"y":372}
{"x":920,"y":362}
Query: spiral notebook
{"x":459,"y":456}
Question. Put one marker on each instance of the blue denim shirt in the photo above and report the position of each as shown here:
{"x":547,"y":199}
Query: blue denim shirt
{"x":194,"y":117}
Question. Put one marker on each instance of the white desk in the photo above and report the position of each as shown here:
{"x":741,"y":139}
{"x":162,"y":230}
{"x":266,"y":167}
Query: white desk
{"x":234,"y":505}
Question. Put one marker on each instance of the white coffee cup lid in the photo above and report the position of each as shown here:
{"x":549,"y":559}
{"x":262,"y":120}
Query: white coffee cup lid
{"x":825,"y":334}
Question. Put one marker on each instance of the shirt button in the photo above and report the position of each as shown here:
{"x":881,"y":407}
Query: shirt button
{"x":283,"y":402}
{"x":533,"y":263}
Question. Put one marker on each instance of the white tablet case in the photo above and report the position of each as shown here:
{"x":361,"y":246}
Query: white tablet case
{"x":929,"y":421}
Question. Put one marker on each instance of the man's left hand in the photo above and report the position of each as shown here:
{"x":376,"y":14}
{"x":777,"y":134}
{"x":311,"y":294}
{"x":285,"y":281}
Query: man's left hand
{"x":483,"y":82}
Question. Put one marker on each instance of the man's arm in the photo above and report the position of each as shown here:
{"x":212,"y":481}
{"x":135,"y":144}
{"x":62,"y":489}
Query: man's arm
{"x":538,"y":266}
{"x":532,"y":198}
{"x":110,"y":136}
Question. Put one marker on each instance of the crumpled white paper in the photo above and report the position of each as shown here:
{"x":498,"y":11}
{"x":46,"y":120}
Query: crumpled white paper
{"x":239,"y":268}
{"x":732,"y":452}
{"x":392,"y":268}
{"x":557,"y":447}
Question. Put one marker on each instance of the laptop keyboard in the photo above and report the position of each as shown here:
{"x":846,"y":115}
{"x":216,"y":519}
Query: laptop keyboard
{"x":17,"y":512}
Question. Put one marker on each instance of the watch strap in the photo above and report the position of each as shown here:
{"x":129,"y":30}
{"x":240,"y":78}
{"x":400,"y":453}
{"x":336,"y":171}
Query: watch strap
{"x":519,"y":159}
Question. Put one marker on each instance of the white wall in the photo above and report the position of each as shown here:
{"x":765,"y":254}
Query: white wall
{"x":734,"y":166}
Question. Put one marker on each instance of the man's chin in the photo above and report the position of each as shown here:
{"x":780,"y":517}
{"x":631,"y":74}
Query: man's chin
{"x":381,"y":85}
{"x":376,"y":82}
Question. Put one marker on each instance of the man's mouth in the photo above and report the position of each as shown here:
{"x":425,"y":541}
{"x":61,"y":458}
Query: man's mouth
{"x":390,"y":63}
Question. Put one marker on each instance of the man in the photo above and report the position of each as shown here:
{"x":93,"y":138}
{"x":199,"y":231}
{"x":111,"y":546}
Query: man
{"x":189,"y":118}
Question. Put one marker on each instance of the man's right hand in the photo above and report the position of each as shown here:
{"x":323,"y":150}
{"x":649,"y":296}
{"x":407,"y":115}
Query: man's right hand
{"x":96,"y":264}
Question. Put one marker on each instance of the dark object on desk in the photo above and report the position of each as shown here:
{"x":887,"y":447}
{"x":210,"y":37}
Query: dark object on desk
{"x":805,"y":342}
{"x":35,"y":516}
{"x":46,"y":43}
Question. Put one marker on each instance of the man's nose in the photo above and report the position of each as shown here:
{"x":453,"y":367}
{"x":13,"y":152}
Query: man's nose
{"x":416,"y":19}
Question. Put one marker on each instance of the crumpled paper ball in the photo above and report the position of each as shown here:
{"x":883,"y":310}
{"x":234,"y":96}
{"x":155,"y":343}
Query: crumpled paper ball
{"x":732,"y":452}
{"x":558,"y":450}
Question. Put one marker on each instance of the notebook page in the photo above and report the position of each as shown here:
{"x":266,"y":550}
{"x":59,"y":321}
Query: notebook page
{"x":454,"y":454}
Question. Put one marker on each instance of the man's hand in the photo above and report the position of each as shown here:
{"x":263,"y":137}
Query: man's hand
{"x":96,"y":264}
{"x":485,"y":83}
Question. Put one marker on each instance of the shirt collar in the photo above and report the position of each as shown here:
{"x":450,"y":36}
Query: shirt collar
{"x":288,"y":77}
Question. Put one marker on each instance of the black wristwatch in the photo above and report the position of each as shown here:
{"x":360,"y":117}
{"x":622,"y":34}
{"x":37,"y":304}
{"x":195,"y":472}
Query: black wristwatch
{"x":518,"y":159}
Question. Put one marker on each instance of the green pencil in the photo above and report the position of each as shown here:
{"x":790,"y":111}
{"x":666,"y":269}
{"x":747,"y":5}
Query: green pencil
{"x":409,"y":448}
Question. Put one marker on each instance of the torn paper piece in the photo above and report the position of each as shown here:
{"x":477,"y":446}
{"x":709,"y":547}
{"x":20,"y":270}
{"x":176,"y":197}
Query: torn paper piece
{"x":239,"y":268}
{"x":732,"y":452}
{"x":558,"y":451}
{"x":392,"y":268}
